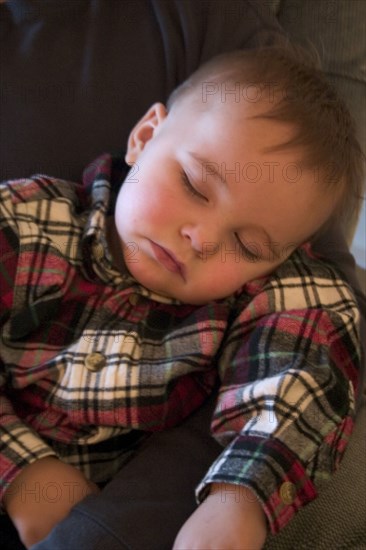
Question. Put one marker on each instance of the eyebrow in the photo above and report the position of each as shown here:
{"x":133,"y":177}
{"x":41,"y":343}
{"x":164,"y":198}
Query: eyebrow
{"x":213,"y":166}
{"x":214,"y":172}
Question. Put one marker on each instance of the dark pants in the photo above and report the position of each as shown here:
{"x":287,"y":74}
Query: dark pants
{"x":145,"y":505}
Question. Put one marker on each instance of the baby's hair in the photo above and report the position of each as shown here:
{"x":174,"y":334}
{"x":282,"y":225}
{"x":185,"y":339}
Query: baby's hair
{"x":291,"y":80}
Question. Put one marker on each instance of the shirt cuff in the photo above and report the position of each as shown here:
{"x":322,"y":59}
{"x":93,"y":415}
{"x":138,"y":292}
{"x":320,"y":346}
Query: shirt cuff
{"x":272,"y":472}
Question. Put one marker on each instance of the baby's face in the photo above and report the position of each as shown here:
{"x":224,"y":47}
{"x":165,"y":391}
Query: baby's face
{"x":204,"y":208}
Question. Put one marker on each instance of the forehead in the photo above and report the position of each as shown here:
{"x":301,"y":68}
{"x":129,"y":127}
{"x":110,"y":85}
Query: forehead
{"x":234,"y":117}
{"x":267,"y":186}
{"x":234,"y":131}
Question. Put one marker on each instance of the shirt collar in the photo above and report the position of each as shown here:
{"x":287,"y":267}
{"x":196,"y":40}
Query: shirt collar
{"x":102,"y":180}
{"x":97,"y":182}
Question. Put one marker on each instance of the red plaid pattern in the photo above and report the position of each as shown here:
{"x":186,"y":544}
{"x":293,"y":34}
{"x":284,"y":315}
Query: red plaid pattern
{"x":285,"y":350}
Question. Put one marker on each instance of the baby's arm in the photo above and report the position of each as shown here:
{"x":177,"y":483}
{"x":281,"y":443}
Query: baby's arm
{"x":37,"y":494}
{"x":285,"y":408}
{"x":28,"y":499}
{"x":230,"y":517}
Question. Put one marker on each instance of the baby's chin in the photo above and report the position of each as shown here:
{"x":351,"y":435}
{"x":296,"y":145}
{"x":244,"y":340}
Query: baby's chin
{"x":186,"y":297}
{"x":183,"y":297}
{"x":179,"y":292}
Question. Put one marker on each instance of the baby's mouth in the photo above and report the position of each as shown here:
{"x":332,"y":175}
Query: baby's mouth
{"x":167,"y":259}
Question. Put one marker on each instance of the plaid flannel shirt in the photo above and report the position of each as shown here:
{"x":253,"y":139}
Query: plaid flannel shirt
{"x":89,"y":357}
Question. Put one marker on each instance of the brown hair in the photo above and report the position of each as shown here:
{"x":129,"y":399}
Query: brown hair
{"x":290,"y":78}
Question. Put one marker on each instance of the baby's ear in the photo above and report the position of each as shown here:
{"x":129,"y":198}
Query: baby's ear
{"x":144,"y":131}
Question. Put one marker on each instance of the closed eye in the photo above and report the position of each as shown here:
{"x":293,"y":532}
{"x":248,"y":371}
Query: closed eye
{"x":247,"y":252}
{"x":189,"y":187}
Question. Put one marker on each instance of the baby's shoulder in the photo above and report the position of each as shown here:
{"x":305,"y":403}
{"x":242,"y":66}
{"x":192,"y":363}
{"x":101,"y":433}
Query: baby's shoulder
{"x":307,"y":281}
{"x":39,"y":187}
{"x":302,"y":282}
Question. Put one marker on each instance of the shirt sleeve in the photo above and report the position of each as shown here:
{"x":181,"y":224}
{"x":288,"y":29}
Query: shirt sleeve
{"x":19,"y":445}
{"x":286,"y":405}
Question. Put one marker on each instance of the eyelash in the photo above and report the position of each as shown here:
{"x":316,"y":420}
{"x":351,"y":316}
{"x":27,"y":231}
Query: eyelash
{"x":248,"y":253}
{"x":189,"y":187}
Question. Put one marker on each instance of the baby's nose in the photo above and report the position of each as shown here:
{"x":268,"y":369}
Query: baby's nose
{"x":201,"y":239}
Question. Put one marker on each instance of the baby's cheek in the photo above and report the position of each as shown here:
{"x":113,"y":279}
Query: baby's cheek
{"x":226,"y":277}
{"x":155,"y":207}
{"x":234,"y":275}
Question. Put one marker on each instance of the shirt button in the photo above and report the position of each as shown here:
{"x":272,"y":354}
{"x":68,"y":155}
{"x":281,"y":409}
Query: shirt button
{"x":133,"y":299}
{"x":287,"y":492}
{"x":95,"y":362}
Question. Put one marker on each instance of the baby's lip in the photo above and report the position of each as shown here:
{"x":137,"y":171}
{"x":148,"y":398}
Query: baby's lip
{"x":166,"y":258}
